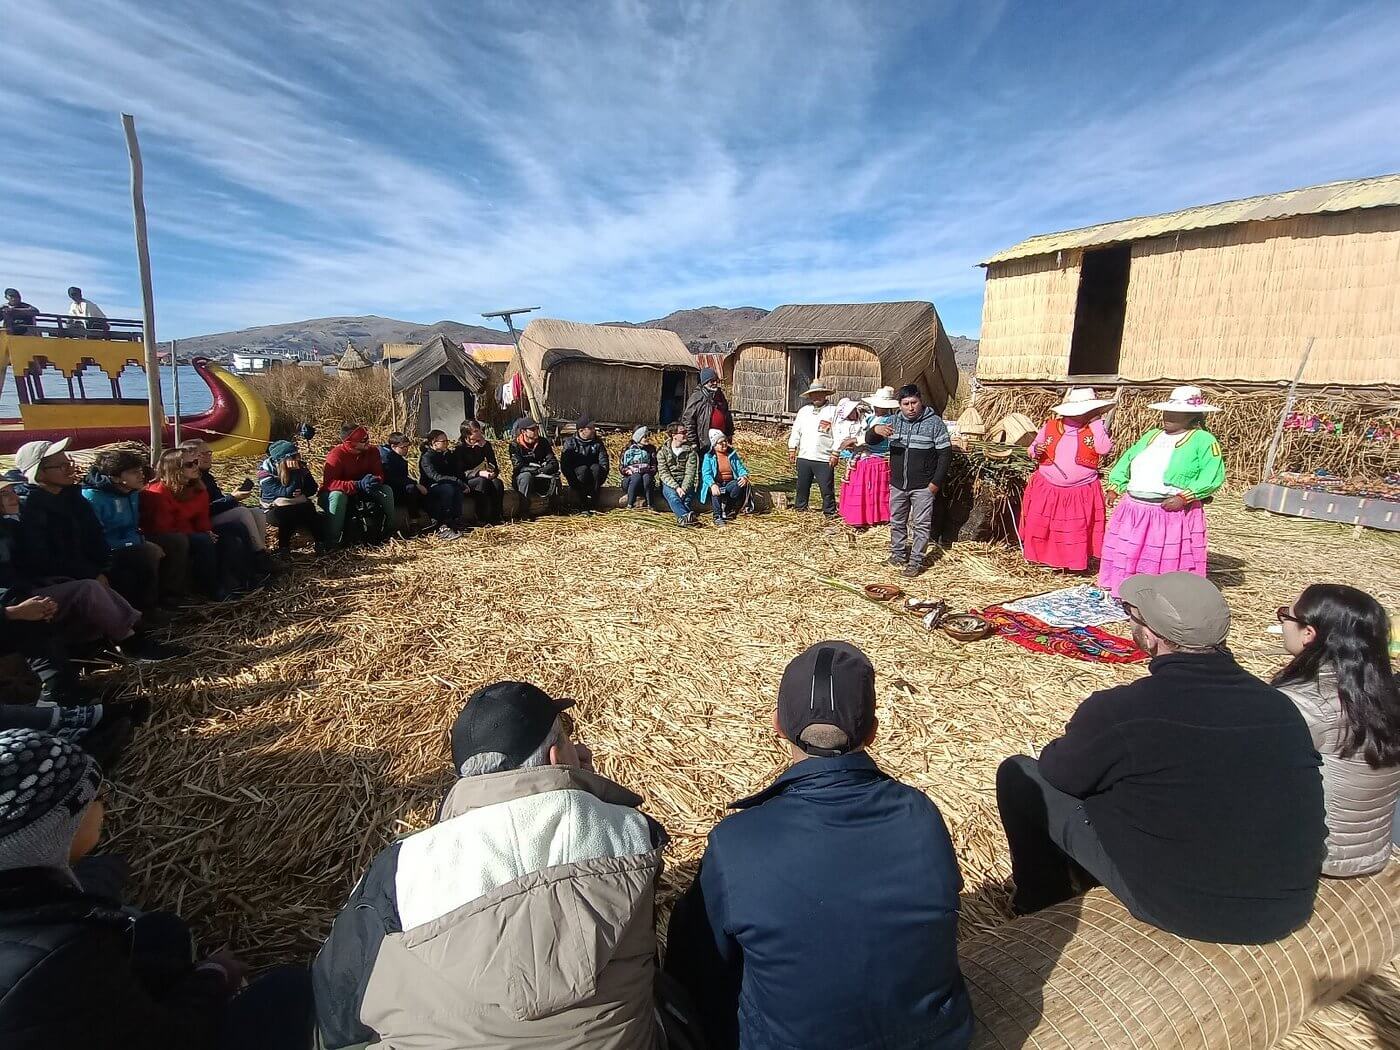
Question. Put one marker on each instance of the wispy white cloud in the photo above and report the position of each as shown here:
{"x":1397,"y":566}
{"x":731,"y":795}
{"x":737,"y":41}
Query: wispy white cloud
{"x":625,"y":158}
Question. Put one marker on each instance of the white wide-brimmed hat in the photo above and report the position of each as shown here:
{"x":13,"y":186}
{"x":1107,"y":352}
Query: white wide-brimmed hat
{"x":817,"y":387}
{"x":1080,"y":400}
{"x":883,"y":398}
{"x":1185,"y":399}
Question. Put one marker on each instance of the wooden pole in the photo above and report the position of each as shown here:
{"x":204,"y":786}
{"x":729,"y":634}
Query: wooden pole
{"x":148,"y":305}
{"x":175,"y":380}
{"x":1287,"y":408}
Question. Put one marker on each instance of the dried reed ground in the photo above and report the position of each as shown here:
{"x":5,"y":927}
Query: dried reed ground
{"x":307,"y":727}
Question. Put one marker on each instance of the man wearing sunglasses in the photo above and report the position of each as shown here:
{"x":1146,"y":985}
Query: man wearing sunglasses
{"x":1193,"y":794}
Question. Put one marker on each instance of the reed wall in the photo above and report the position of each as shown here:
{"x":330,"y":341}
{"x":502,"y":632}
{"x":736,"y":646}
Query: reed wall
{"x":1028,"y":317}
{"x":757,"y":380}
{"x":607,"y":393}
{"x":852,"y":370}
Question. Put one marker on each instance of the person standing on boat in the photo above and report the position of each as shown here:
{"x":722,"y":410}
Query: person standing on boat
{"x":17,"y":316}
{"x":353,"y":470}
{"x":87,"y":316}
{"x":1160,"y":525}
{"x":1062,"y":512}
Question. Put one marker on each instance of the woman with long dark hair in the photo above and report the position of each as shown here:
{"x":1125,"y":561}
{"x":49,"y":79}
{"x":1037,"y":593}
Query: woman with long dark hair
{"x":1340,"y":678}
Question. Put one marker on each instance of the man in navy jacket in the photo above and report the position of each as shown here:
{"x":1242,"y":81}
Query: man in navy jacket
{"x":824,"y":914}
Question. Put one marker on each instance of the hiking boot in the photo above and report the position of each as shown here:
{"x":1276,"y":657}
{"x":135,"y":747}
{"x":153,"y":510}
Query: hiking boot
{"x":720,"y":523}
{"x":913,"y":569}
{"x":448,"y":534}
{"x":138,"y":649}
{"x":264,"y":564}
{"x":897,"y":561}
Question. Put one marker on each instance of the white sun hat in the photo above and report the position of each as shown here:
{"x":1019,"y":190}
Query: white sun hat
{"x":1185,"y":399}
{"x":1080,"y":400}
{"x":883,"y":398}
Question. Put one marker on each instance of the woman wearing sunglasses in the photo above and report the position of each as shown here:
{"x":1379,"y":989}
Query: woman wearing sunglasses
{"x":175,"y":514}
{"x":1341,"y":680}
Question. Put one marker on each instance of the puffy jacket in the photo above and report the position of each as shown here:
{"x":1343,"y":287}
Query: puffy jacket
{"x":345,"y":467}
{"x":60,"y":536}
{"x":523,"y":917}
{"x":270,"y":488}
{"x":699,"y":417}
{"x":638,"y":459}
{"x":678,"y":469}
{"x":118,"y":512}
{"x":825,"y":915}
{"x":396,"y":474}
{"x":1359,"y":801}
{"x":161,"y":512}
{"x":920,"y":450}
{"x":538,"y":459}
{"x":580,"y":453}
{"x":471,"y":458}
{"x":68,"y":980}
{"x":710,"y":470}
{"x":436,"y":467}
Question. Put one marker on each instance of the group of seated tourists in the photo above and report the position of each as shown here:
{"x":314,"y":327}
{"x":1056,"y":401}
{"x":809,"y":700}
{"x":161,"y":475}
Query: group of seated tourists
{"x":824,"y":910}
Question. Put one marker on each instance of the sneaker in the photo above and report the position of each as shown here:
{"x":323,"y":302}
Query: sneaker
{"x":897,"y":561}
{"x":720,"y":523}
{"x":913,"y":569}
{"x":446,"y":533}
{"x":622,"y":502}
{"x":139,"y":649}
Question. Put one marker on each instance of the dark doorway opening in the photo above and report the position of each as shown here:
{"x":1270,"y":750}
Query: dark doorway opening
{"x":1099,"y":311}
{"x":672,"y":396}
{"x":802,"y":371}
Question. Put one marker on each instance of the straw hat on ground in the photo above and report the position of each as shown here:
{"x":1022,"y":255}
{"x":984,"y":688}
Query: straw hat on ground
{"x":1080,"y":401}
{"x":883,"y":398}
{"x":1185,"y":399}
{"x":818,"y":387}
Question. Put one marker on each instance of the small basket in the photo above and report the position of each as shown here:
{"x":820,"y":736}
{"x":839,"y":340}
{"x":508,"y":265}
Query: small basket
{"x":882,"y":592}
{"x":967,"y":627}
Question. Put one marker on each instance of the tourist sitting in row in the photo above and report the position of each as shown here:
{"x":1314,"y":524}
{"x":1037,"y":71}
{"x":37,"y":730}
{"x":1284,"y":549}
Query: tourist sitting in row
{"x":409,"y":493}
{"x":476,"y":464}
{"x":534,"y":468}
{"x":678,"y":468}
{"x":353,"y":479}
{"x":286,"y":490}
{"x":725,"y":478}
{"x":113,"y":489}
{"x":79,"y":970}
{"x":584,"y":462}
{"x":1340,"y":679}
{"x":230,"y":511}
{"x":638,"y":465}
{"x":175,"y":514}
{"x":1192,"y":794}
{"x":447,"y":489}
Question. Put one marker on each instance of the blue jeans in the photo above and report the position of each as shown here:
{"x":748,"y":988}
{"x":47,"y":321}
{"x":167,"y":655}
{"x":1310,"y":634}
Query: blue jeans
{"x":681,"y":508}
{"x":730,"y":497}
{"x":639,"y":487}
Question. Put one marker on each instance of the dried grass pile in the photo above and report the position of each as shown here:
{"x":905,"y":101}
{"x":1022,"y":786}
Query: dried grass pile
{"x":307,"y":727}
{"x":294,"y":395}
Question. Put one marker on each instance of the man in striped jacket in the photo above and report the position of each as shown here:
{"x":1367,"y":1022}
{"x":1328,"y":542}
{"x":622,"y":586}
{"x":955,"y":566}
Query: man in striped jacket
{"x":920,"y":451}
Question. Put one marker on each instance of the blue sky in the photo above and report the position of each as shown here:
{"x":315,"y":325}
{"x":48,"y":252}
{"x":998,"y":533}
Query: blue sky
{"x":618,"y":160}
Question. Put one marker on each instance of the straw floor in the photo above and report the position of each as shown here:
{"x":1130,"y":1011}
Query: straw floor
{"x":307,"y":727}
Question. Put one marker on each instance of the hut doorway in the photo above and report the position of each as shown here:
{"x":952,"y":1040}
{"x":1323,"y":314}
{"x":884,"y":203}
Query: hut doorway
{"x":802,"y":372}
{"x":672,"y":396}
{"x":1099,"y":311}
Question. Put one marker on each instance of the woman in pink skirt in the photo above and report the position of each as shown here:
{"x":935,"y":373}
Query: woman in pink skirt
{"x":1062,"y":512}
{"x":865,"y":497}
{"x":1160,"y":524}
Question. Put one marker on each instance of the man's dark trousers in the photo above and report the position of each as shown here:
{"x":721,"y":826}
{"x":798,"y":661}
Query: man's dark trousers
{"x":824,"y":474}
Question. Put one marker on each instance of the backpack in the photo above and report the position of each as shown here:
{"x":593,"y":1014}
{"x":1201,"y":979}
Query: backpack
{"x":365,"y":522}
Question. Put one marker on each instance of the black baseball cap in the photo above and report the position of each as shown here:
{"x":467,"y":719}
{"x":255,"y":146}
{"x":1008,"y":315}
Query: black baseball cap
{"x":513,"y":718}
{"x":830,"y":683}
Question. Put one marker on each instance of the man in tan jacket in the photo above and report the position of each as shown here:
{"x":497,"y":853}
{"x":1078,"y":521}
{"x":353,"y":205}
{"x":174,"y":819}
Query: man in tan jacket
{"x":523,"y":917}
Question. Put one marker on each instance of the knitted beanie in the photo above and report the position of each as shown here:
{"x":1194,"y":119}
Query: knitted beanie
{"x":716,"y":436}
{"x":45,"y":784}
{"x":639,"y":435}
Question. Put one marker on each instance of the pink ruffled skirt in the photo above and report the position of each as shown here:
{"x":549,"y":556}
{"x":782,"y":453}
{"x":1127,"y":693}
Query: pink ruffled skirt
{"x":865,"y":497}
{"x":1144,"y":538}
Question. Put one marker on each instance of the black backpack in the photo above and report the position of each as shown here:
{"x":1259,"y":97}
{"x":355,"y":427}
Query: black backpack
{"x":365,"y":522}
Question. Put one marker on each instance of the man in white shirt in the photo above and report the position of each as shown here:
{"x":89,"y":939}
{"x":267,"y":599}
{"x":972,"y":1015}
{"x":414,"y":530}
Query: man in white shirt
{"x":88,"y":315}
{"x":812,"y":448}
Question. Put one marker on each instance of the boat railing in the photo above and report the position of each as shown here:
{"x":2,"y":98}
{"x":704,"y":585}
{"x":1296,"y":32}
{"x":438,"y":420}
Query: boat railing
{"x":65,"y":326}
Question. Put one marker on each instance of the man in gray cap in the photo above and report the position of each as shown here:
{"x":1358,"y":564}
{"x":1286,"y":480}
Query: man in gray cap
{"x":1193,"y":794}
{"x":707,"y":410}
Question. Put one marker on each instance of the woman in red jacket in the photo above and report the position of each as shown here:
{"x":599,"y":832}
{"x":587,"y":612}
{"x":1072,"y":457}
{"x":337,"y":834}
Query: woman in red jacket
{"x":175,"y":514}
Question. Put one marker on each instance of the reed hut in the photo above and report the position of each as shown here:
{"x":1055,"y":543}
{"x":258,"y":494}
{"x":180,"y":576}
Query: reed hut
{"x":495,"y":358}
{"x":618,"y":376}
{"x":857,"y":347}
{"x":352,"y":361}
{"x":1227,"y":296}
{"x":444,"y":381}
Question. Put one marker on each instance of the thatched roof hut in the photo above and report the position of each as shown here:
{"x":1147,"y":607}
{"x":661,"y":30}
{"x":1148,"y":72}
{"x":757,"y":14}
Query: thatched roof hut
{"x":1226,"y":293}
{"x":447,"y":381}
{"x":352,"y":360}
{"x":618,"y":376}
{"x":857,"y":347}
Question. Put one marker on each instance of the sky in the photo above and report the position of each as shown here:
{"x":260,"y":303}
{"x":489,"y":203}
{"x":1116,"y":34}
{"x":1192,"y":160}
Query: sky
{"x":620,"y":159}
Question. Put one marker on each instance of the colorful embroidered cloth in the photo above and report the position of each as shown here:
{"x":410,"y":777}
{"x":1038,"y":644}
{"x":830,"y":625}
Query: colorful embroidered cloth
{"x":1083,"y":606}
{"x":1078,"y":643}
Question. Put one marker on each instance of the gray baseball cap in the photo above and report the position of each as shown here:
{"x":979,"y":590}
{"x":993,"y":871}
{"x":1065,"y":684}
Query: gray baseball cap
{"x":1181,"y":607}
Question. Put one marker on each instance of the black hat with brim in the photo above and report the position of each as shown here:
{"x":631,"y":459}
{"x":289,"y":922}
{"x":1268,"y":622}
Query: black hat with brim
{"x":508,"y":718}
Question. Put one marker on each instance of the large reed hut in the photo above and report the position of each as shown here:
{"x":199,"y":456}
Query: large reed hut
{"x":618,"y":376}
{"x":444,"y":381}
{"x":857,"y":347}
{"x":1226,"y":296}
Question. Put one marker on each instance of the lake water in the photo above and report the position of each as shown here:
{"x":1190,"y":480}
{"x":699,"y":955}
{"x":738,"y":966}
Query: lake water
{"x":194,"y":393}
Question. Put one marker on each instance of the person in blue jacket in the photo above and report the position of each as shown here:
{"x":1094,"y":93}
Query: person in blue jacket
{"x":113,"y":487}
{"x":285,"y":489}
{"x":825,"y":911}
{"x":724,"y":480}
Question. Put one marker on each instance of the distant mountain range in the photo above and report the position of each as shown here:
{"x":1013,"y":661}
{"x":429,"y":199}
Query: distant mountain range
{"x":708,"y":329}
